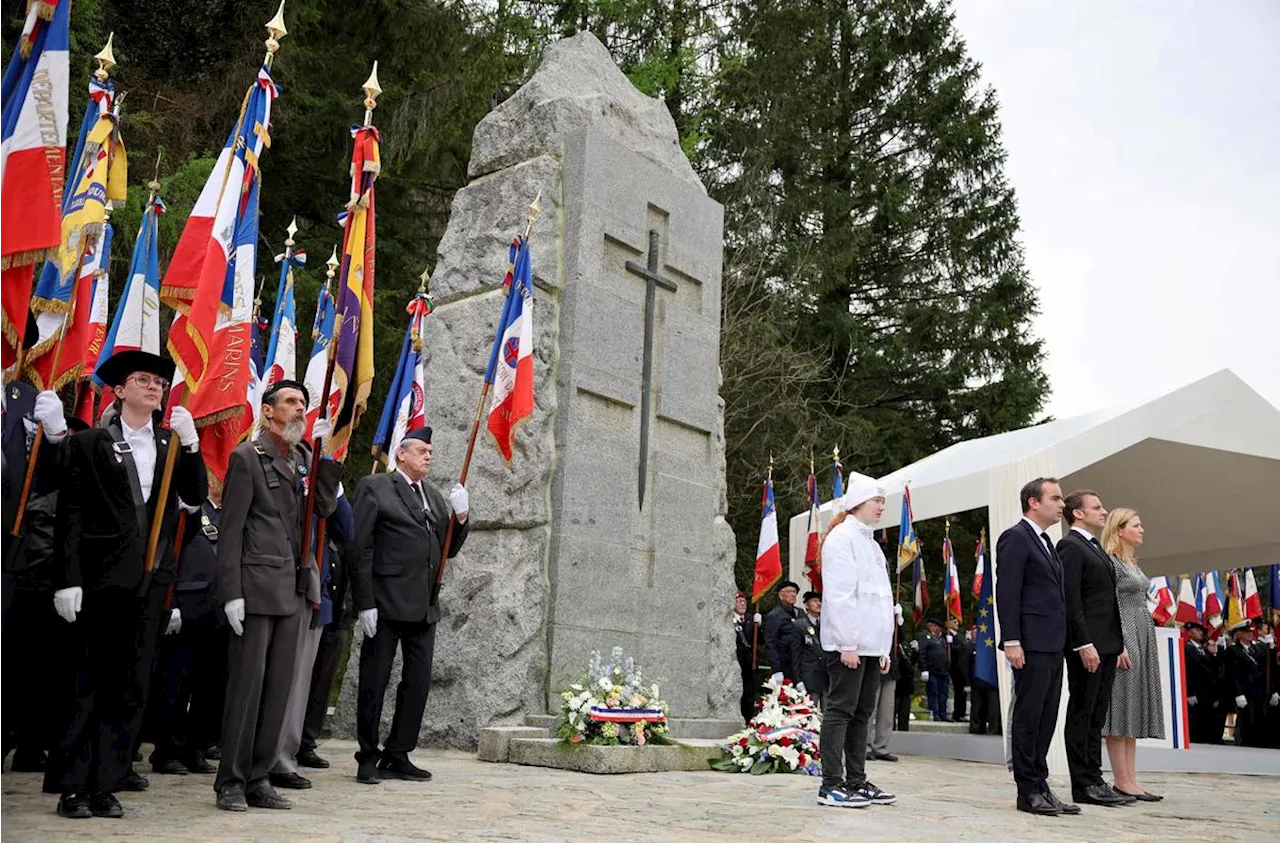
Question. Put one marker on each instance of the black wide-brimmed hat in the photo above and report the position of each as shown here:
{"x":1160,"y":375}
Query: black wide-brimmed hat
{"x":122,"y":364}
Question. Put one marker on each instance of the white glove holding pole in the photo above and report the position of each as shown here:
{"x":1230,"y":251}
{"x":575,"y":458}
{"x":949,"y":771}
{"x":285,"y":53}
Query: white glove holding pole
{"x":321,"y":429}
{"x":757,"y":618}
{"x":1241,"y":702}
{"x":48,"y":411}
{"x":67,"y":602}
{"x":897,"y":612}
{"x":181,"y":423}
{"x":367,"y":620}
{"x":1275,"y":698}
{"x":924,"y":676}
{"x":461,"y":501}
{"x":1191,"y":700}
{"x":234,"y":610}
{"x":175,"y":622}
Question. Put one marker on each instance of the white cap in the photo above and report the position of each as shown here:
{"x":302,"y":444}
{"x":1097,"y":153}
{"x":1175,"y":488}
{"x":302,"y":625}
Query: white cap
{"x":861,"y":489}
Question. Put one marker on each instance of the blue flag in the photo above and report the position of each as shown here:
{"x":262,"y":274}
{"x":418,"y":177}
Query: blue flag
{"x":984,"y":615}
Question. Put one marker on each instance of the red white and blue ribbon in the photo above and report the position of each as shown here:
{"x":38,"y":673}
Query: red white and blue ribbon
{"x":626,"y":715}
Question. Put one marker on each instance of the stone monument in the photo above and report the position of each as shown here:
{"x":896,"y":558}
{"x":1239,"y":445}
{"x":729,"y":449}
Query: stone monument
{"x":608,"y":527}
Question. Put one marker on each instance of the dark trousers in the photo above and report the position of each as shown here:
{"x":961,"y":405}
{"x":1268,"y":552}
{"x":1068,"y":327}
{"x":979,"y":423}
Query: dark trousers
{"x":1037,"y":689}
{"x":333,"y":641}
{"x":190,"y":682}
{"x":747,"y":703}
{"x":960,"y":710}
{"x":851,"y":697}
{"x":902,"y":712}
{"x":1203,"y":718}
{"x":28,"y":670}
{"x":154,"y":619}
{"x":1086,"y":715}
{"x":936,"y":691}
{"x":417,"y":642}
{"x":816,"y":684}
{"x":986,"y":716}
{"x":260,"y":673}
{"x":102,"y":696}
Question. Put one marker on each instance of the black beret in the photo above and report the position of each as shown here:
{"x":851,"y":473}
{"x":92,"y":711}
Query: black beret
{"x":787,"y":584}
{"x":811,"y":595}
{"x":119,"y":366}
{"x":286,"y":384}
{"x":1197,"y":625}
{"x":422,"y":434}
{"x":933,"y":620}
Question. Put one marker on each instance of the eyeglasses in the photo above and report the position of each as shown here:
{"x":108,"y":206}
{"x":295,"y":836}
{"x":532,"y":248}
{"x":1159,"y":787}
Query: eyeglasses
{"x":146,"y":381}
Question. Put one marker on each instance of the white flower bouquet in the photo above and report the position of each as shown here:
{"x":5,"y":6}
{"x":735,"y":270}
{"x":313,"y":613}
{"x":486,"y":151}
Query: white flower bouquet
{"x":781,"y":738}
{"x":611,"y":705}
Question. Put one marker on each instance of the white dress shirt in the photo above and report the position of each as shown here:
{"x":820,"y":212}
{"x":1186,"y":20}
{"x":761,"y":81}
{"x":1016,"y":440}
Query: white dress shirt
{"x":143,"y":443}
{"x":857,"y":599}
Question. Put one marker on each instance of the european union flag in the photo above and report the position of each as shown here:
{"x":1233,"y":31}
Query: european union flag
{"x":984,"y":615}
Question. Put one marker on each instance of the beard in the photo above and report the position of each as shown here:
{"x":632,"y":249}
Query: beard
{"x":293,"y":430}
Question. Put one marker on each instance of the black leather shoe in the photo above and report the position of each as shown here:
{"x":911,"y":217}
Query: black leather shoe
{"x":1098,"y":794}
{"x":213,"y":752}
{"x":231,"y":798}
{"x":400,"y":767}
{"x":105,"y":805}
{"x":74,"y":806}
{"x":1125,"y":799}
{"x":886,"y":756}
{"x":1142,"y":797}
{"x":367,"y":773}
{"x":28,"y":762}
{"x":264,"y":795}
{"x":1064,"y":807}
{"x":291,"y":781}
{"x":1036,"y":803}
{"x":308,"y":758}
{"x":173,"y":767}
{"x":197,"y":764}
{"x":134,"y":782}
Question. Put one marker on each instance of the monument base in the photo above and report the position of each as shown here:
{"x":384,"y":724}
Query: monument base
{"x":603,"y":760}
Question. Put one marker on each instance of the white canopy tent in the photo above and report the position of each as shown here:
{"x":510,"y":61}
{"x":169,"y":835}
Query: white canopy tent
{"x":1201,"y":464}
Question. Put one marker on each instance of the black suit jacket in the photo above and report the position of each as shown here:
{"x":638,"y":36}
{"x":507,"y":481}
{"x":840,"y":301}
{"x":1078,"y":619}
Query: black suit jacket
{"x":806,"y":651}
{"x":397,"y":548}
{"x":1030,"y":597}
{"x":777,"y":639}
{"x":99,"y":542}
{"x":1201,"y":672}
{"x":1093,"y":612}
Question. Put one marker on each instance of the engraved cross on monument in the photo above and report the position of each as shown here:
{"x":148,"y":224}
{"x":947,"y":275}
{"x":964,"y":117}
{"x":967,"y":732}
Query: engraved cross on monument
{"x":653,"y":280}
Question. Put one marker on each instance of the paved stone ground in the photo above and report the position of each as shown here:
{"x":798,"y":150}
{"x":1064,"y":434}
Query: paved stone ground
{"x":473,"y":800}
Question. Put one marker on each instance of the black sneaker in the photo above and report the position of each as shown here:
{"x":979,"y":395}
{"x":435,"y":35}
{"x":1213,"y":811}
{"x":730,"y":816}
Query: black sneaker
{"x":872,"y":794}
{"x":105,"y":805}
{"x":74,"y":806}
{"x":841,"y":797}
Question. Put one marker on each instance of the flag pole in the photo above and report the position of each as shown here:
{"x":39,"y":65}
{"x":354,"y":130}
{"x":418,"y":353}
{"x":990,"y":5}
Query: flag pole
{"x":755,"y":599}
{"x":371,"y":90}
{"x":275,"y":31}
{"x":534,"y":211}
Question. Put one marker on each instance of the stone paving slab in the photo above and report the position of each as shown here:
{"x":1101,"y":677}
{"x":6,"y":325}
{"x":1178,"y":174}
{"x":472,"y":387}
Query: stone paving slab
{"x":473,"y":800}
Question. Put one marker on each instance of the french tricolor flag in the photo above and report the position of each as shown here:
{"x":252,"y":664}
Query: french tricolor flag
{"x":281,"y":362}
{"x":33,"y":151}
{"x":812,"y":560}
{"x":980,"y":569}
{"x":1186,"y":612}
{"x":405,"y":410}
{"x":136,"y":323}
{"x":511,"y":360}
{"x":1160,"y":600}
{"x":1252,"y":600}
{"x":768,"y":555}
{"x":951,"y":584}
{"x":321,"y":339}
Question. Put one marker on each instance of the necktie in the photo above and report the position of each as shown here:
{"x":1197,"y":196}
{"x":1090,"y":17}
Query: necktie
{"x":1047,"y":543}
{"x":422,"y":496}
{"x":1096,"y":543}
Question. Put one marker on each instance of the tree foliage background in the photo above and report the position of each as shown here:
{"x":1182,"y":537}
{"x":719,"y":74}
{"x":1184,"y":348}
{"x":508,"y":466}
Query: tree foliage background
{"x":875,"y":295}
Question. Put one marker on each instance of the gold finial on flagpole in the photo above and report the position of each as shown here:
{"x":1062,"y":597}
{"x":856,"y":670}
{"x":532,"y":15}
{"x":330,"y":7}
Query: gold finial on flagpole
{"x":371,"y":90}
{"x":835,"y":453}
{"x":292,"y":230}
{"x":771,"y":466}
{"x":106,"y":59}
{"x":424,"y":279}
{"x":275,"y":31}
{"x":332,"y":263}
{"x":535,"y":211}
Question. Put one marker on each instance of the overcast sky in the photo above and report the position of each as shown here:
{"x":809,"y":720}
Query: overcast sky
{"x":1144,"y":146}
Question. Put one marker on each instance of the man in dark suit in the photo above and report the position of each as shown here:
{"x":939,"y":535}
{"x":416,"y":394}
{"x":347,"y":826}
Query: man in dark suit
{"x":931,"y":653}
{"x":806,"y":648}
{"x":1094,"y":643}
{"x":401,"y":521}
{"x":108,"y":498}
{"x":778,"y":630}
{"x":744,"y":633}
{"x":1031,"y":604}
{"x":31,"y":627}
{"x":1202,"y":693}
{"x":962,"y":651}
{"x":1245,"y":673}
{"x":266,"y":588}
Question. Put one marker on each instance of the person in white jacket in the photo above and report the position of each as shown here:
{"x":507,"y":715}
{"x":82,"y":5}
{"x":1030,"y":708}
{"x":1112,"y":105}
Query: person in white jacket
{"x":857,"y":637}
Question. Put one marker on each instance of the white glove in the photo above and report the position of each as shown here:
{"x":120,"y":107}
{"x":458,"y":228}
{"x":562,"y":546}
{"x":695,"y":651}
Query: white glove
{"x":757,"y":617}
{"x":461,"y":501}
{"x":235,"y":615}
{"x":175,"y":622}
{"x":321,"y":429}
{"x":368,"y":622}
{"x":1191,"y":700}
{"x":950,"y":638}
{"x":924,"y":676}
{"x":67,"y":602}
{"x":1241,"y":702}
{"x":776,"y":677}
{"x":48,"y":411}
{"x":341,"y":492}
{"x":897,"y":612}
{"x":181,"y":423}
{"x":1275,"y":698}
